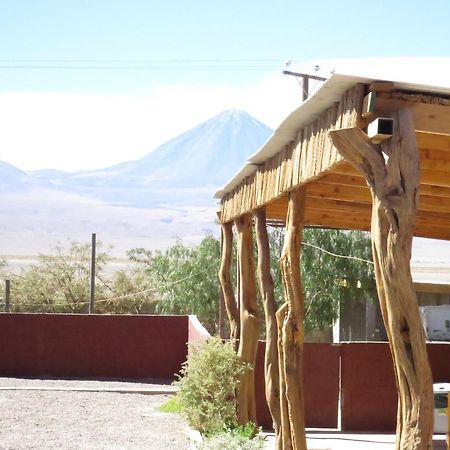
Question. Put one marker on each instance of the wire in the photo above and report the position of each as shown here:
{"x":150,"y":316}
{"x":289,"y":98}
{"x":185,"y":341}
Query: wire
{"x":139,"y":64}
{"x":69,"y":60}
{"x":162,"y":68}
{"x":336,"y":255}
{"x":132,"y":294}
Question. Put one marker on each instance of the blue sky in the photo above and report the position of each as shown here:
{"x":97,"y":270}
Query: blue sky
{"x":167,"y":65}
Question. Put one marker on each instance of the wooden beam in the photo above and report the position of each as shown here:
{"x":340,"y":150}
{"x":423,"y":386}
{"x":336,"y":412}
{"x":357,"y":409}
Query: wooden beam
{"x":425,"y":226}
{"x":433,"y":141}
{"x":434,"y":288}
{"x":338,"y":206}
{"x":427,"y":176}
{"x":431,"y":118}
{"x":338,"y":192}
{"x":434,"y":162}
{"x":382,"y":86}
{"x":335,"y":178}
{"x":353,"y":221}
{"x":432,"y":203}
{"x":432,"y":209}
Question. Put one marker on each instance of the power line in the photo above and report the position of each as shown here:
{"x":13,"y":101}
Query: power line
{"x":336,"y":255}
{"x":139,"y":64}
{"x":124,"y":68}
{"x":145,"y":60}
{"x":355,"y":258}
{"x":121,"y":297}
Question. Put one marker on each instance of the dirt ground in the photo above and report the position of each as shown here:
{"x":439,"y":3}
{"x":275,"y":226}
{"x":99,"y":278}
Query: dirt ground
{"x":43,"y":418}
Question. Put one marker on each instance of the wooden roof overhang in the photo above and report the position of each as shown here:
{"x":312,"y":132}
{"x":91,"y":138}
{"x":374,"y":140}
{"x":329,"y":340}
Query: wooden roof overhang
{"x":337,"y":196}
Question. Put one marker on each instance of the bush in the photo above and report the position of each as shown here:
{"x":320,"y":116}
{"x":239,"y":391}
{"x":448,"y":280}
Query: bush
{"x":207,"y":386}
{"x":236,"y":439}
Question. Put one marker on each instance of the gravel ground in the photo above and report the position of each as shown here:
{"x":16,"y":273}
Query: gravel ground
{"x":47,"y":419}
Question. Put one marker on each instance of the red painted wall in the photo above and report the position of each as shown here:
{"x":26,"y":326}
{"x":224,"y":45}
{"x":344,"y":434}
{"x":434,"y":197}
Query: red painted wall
{"x":125,"y":346}
{"x":115,"y":346}
{"x":369,"y":395}
{"x":439,"y":356}
{"x":321,"y":370}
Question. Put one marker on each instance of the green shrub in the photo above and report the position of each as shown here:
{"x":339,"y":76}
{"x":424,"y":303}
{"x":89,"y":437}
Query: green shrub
{"x":207,"y":386}
{"x":240,"y":438}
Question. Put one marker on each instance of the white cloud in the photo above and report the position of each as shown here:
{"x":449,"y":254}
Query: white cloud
{"x":71,"y":131}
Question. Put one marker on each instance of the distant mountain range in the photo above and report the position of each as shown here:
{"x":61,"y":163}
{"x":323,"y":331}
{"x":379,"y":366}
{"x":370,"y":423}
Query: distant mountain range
{"x":142,"y":203}
{"x":188,"y":168}
{"x":167,"y":193}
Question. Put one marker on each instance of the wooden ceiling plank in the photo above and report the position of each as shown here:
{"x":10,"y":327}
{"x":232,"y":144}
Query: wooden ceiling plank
{"x":433,"y":141}
{"x":338,"y":192}
{"x":431,"y":177}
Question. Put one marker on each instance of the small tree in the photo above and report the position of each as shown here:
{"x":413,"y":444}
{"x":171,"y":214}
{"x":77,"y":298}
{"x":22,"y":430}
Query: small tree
{"x":185,"y":279}
{"x":336,"y":269}
{"x":129,"y":291}
{"x":58,"y":282}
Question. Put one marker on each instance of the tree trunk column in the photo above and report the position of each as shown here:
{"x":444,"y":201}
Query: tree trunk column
{"x":248,"y":344}
{"x":266,"y":288}
{"x":392,"y":170}
{"x":293,"y":327}
{"x":226,"y":282}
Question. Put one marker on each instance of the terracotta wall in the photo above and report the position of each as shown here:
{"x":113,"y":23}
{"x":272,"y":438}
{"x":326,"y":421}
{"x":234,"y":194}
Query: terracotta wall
{"x":115,"y":346}
{"x":125,"y":346}
{"x":321,"y":363}
{"x":369,"y":395}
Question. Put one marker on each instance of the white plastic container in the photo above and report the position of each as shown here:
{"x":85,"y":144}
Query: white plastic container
{"x":436,"y":322}
{"x":440,"y":391}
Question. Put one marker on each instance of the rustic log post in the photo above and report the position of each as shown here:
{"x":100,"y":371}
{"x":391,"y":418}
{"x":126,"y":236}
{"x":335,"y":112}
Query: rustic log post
{"x":248,"y":343}
{"x":392,"y":171}
{"x":266,"y":288}
{"x":293,"y":327}
{"x":283,"y":441}
{"x":226,"y":282}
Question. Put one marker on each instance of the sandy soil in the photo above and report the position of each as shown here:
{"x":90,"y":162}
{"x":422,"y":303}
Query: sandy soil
{"x":43,"y":419}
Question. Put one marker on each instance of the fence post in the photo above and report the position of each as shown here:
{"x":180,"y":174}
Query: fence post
{"x":7,"y":295}
{"x":448,"y":420}
{"x":92,"y":284}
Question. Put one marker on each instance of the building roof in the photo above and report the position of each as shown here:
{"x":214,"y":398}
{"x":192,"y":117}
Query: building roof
{"x":329,"y":93}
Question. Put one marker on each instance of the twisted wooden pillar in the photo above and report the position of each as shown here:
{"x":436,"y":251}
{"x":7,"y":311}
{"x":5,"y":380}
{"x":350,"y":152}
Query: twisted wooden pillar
{"x":392,"y":171}
{"x":266,"y":288}
{"x":248,"y":344}
{"x":226,"y":282}
{"x":283,"y":441}
{"x":293,"y":327}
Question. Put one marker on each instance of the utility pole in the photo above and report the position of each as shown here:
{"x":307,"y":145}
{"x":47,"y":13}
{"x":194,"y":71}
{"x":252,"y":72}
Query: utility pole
{"x":7,"y":295}
{"x":92,"y":284}
{"x":305,"y":80}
